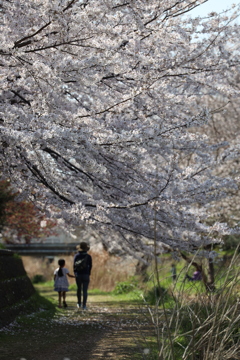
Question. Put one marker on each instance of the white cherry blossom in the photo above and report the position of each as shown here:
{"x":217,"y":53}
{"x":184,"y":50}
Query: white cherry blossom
{"x":100,"y":106}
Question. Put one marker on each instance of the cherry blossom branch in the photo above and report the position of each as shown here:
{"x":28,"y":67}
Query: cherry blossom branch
{"x":37,"y":173}
{"x":24,"y":41}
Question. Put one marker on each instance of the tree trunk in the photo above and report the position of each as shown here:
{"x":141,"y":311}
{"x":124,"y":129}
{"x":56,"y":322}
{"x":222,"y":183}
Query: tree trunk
{"x":211,"y":274}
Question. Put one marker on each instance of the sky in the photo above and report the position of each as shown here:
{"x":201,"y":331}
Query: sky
{"x":213,"y":5}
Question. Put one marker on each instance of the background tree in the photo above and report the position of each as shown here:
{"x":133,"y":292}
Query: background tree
{"x":97,"y":99}
{"x":224,"y":126}
{"x":21,"y":221}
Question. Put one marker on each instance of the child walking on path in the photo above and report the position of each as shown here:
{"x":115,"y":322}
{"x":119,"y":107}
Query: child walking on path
{"x":61,"y":282}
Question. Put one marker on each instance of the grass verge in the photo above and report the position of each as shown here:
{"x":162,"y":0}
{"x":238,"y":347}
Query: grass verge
{"x":192,"y":324}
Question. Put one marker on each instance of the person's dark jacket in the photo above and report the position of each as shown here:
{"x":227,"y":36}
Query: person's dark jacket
{"x":79,"y":256}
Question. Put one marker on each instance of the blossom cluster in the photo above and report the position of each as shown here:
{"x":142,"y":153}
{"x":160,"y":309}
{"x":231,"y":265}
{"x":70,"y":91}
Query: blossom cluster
{"x":100,"y":105}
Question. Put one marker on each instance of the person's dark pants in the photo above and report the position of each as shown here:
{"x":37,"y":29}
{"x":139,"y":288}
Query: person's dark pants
{"x":82,"y":285}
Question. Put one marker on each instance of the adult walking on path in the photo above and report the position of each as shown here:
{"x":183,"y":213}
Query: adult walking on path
{"x":82,"y":266}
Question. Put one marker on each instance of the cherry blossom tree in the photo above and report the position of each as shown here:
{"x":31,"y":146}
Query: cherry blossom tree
{"x":224,"y":125}
{"x":100,"y":109}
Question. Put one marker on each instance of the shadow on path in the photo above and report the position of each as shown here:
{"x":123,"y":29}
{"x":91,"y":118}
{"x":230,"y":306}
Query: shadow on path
{"x":105,"y":331}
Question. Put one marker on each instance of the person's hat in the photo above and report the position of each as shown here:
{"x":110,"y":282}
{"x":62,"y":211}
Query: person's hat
{"x":83,"y":246}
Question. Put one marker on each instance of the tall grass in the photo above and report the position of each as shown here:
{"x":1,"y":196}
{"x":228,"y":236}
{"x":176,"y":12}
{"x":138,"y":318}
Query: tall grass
{"x":195,"y":324}
{"x":108,"y":270}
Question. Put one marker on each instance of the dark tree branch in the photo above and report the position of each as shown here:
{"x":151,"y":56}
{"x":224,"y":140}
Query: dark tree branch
{"x":56,"y":45}
{"x":21,"y":97}
{"x":26,"y":39}
{"x":70,"y":166}
{"x":19,"y":43}
{"x":120,"y":5}
{"x":37,"y":173}
{"x":76,"y":169}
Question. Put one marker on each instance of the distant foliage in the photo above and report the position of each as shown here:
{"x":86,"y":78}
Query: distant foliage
{"x":21,"y":220}
{"x":231,"y":242}
{"x":38,"y":278}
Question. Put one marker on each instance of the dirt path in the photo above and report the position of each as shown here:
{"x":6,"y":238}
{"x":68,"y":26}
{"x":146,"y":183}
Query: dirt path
{"x":105,"y":331}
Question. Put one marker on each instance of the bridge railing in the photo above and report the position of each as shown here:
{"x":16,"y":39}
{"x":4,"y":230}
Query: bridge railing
{"x":43,"y":249}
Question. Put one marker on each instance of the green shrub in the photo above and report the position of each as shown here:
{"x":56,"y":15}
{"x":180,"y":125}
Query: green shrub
{"x":157,"y":295}
{"x":231,"y":242}
{"x":125,"y":287}
{"x":38,"y":278}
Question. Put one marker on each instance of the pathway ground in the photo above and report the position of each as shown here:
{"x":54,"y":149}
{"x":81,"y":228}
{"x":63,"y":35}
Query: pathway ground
{"x":107,"y":330}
